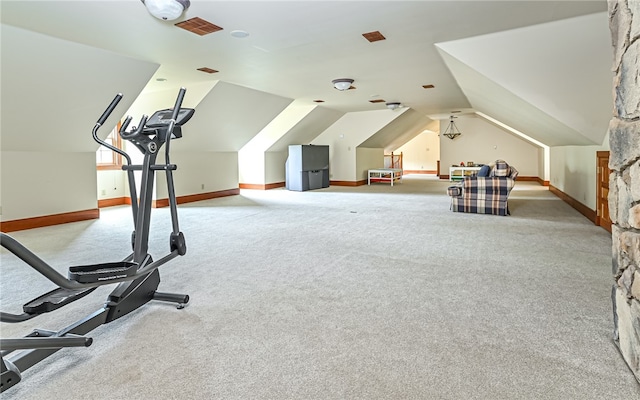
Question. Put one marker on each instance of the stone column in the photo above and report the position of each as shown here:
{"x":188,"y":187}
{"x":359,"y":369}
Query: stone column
{"x":624,"y":181}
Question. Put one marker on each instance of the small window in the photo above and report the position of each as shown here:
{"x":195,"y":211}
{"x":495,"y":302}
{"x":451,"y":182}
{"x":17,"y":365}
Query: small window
{"x":106,"y":158}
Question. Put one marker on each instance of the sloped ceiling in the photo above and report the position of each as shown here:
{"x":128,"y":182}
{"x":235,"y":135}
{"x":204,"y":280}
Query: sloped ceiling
{"x":229,"y":116}
{"x":54,"y":91}
{"x":295,"y":49}
{"x":522,"y":78}
{"x":308,"y":128}
{"x":405,"y":127}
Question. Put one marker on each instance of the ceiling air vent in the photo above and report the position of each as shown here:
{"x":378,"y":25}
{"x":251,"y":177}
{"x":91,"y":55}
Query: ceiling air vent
{"x":198,"y":26}
{"x":376,"y":101}
{"x":207,"y":70}
{"x":373,"y":36}
{"x":428,"y":86}
{"x":318,"y":101}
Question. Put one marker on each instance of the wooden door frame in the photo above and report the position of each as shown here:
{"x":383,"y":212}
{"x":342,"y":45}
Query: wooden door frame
{"x":599,"y":172}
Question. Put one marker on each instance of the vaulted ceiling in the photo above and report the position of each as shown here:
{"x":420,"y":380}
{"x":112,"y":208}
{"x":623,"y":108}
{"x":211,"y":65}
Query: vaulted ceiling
{"x":540,"y":66}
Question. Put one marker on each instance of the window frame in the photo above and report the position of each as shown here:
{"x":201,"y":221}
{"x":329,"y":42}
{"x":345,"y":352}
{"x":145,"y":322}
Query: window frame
{"x":116,"y":158}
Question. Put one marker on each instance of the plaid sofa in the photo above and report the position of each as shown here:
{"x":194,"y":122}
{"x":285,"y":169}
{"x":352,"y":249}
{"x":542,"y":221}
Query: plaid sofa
{"x":484,"y":195}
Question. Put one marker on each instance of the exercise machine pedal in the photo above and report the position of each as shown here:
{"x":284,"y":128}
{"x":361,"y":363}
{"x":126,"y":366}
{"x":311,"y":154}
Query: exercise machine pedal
{"x":102,"y":272}
{"x":55,"y":299}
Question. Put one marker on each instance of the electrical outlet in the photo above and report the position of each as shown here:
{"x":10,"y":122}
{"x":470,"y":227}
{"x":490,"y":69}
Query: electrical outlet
{"x":202,"y":186}
{"x":103,"y":192}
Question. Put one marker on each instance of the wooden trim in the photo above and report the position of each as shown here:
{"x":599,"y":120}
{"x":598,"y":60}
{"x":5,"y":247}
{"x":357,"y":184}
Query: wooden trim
{"x":581,"y":208}
{"x":196,"y":197}
{"x":348,"y":183}
{"x":116,"y":201}
{"x":258,"y":186}
{"x":601,"y":177}
{"x":108,"y":167}
{"x":159,"y":203}
{"x":48,"y":220}
{"x":206,"y":196}
{"x":532,"y":179}
{"x":444,"y":177}
{"x":419,"y":171}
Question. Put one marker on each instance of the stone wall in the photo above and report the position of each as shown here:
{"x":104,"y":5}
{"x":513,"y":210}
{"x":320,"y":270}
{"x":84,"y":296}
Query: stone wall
{"x":624,"y":181}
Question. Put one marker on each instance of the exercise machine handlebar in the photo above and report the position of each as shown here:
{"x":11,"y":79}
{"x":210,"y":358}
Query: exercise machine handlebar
{"x":101,"y":121}
{"x":176,"y":108}
{"x":134,"y":133}
{"x":109,"y":109}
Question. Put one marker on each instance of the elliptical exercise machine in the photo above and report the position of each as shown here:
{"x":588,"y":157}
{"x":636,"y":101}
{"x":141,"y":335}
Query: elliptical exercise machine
{"x":137,"y":276}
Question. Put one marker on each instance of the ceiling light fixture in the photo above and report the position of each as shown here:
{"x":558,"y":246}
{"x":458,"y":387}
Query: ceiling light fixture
{"x":342,"y":83}
{"x":452,"y":130}
{"x":166,"y":10}
{"x":394,"y":105}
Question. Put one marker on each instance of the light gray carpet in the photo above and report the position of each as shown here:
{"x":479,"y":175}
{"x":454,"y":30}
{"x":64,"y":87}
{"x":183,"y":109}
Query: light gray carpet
{"x":341,"y":293}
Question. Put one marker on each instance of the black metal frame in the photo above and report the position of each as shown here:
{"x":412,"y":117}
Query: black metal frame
{"x":131,"y":292}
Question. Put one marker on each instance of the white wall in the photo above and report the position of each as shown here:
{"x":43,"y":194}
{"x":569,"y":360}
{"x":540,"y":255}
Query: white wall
{"x":345,"y":135}
{"x":421,"y":153}
{"x":39,"y":189}
{"x":111,"y":184}
{"x":482,"y":143}
{"x":261,"y":168}
{"x":251,"y":157}
{"x":217,"y":171}
{"x":574,"y":171}
{"x":251,"y":167}
{"x":274,"y":162}
{"x":48,"y":111}
{"x":367,"y":159}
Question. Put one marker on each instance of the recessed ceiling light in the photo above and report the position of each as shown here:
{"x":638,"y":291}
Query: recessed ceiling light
{"x":240,"y":34}
{"x":318,"y":101}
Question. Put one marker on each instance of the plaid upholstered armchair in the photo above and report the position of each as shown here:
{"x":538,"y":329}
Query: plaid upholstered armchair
{"x":484,"y":194}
